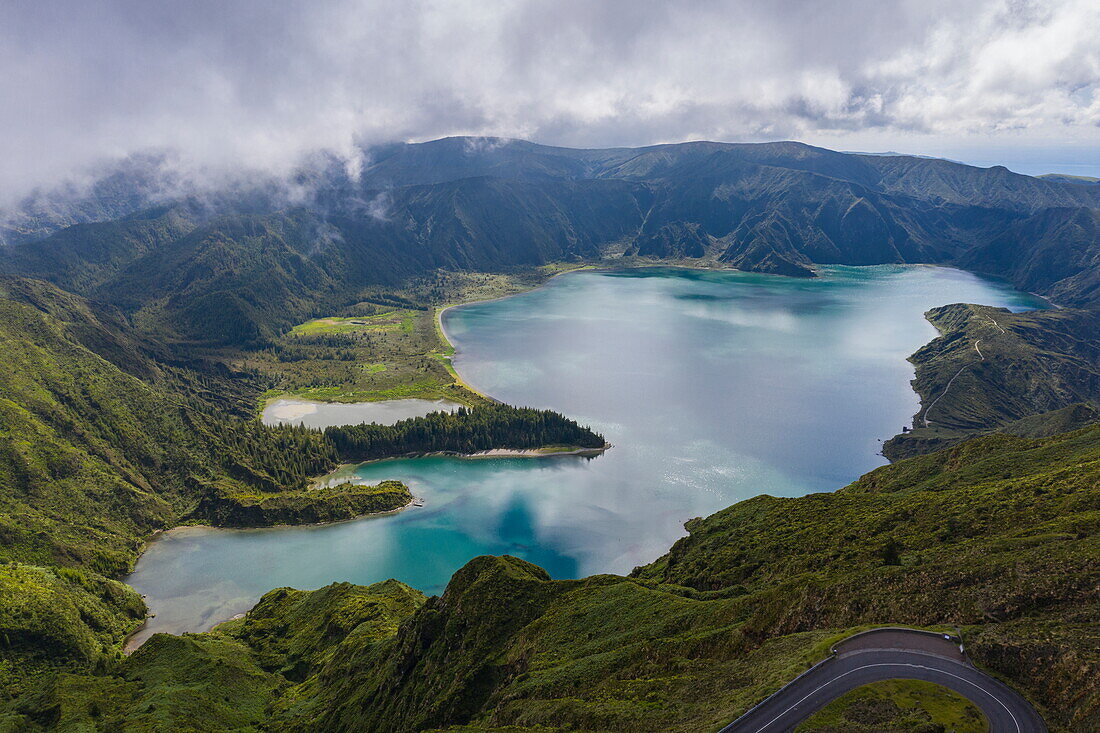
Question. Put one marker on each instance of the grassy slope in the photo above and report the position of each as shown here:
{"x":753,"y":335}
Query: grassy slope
{"x":997,"y":535}
{"x":1005,"y":370}
{"x":232,"y":507}
{"x":223,"y":681}
{"x":52,"y":617}
{"x":82,"y":450}
{"x":100,"y":445}
{"x":895,"y":705}
{"x":94,"y":458}
{"x":755,"y":593}
{"x":388,"y":347}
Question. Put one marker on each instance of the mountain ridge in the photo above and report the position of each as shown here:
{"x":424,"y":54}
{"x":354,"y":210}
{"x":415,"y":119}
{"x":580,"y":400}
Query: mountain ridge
{"x":467,"y":204}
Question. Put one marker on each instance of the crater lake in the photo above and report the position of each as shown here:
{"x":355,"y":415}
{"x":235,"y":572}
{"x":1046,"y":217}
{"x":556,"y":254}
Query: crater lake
{"x":712,"y":386}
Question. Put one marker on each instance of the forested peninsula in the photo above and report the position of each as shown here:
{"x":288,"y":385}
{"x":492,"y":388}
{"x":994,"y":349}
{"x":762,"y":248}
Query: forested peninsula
{"x":466,"y":431}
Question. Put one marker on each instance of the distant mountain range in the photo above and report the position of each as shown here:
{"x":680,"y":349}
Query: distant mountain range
{"x":1065,"y":178}
{"x":895,"y":154}
{"x":266,"y":255}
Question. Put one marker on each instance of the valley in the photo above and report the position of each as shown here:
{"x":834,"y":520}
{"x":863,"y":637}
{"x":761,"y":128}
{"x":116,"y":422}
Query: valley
{"x":141,"y":345}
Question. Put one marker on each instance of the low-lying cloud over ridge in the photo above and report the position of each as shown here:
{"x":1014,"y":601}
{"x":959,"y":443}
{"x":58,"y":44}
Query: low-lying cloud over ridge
{"x":260,"y":84}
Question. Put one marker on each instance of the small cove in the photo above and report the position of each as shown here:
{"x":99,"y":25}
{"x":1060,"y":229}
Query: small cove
{"x":714,"y":386}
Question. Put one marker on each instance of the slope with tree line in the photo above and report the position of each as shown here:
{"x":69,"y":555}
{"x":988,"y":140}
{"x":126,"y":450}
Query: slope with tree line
{"x":997,"y":536}
{"x":465,"y":431}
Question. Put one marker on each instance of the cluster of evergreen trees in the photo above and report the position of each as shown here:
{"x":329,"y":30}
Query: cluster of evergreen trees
{"x":295,"y":353}
{"x":285,"y":457}
{"x":465,"y":431}
{"x":274,"y":458}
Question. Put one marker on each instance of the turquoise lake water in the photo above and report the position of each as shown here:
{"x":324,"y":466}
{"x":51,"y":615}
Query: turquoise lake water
{"x":712,"y":386}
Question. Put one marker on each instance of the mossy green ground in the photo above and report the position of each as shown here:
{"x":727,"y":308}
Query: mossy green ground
{"x":387,"y":320}
{"x":230,"y":505}
{"x":898,"y":705}
{"x":59,"y":617}
{"x":101,"y":444}
{"x":1035,"y":373}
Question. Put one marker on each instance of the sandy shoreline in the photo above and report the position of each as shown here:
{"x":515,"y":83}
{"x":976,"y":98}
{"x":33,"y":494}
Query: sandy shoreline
{"x":450,"y":345}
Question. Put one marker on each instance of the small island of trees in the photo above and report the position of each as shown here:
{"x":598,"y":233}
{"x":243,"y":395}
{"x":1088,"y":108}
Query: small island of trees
{"x":468,"y":430}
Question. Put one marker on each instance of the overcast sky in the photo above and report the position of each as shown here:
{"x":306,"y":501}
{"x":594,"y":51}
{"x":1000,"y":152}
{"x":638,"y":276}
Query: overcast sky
{"x":257,"y":84}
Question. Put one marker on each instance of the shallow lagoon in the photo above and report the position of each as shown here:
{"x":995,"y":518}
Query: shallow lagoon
{"x":290,"y":411}
{"x":712,"y":386}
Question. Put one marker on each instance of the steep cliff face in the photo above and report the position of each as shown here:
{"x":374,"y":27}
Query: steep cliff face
{"x":1055,"y":252}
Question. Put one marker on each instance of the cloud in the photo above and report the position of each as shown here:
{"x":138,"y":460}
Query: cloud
{"x":258,"y":85}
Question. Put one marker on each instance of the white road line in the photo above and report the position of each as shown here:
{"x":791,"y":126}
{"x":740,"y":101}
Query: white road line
{"x":893,"y":664}
{"x":979,"y":350}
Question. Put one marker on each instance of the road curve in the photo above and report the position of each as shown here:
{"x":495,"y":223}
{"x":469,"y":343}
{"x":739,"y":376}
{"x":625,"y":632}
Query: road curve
{"x":885,"y":654}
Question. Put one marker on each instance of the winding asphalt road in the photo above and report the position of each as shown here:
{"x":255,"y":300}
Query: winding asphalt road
{"x":886,"y":654}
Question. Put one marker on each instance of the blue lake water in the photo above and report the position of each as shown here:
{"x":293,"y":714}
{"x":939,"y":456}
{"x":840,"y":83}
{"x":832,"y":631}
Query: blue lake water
{"x":713,"y":386}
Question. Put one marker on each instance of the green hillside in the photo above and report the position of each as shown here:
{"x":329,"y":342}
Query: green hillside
{"x":103,"y":444}
{"x":1035,"y":374}
{"x":997,"y":536}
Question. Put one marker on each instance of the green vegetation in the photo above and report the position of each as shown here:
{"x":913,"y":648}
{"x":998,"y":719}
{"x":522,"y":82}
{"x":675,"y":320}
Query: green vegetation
{"x":391,"y":320}
{"x":898,"y":705}
{"x":101,"y":444}
{"x":375,"y":351}
{"x":190,"y":682}
{"x":125,"y":417}
{"x":1034,"y":374}
{"x":391,"y":355}
{"x":60,"y":617}
{"x":231,"y":506}
{"x":295,"y":632}
{"x":997,"y":535}
{"x":226,"y":680}
{"x":467,"y":430}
